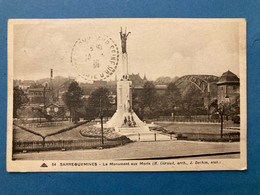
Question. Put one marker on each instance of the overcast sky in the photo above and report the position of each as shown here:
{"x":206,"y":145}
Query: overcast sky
{"x":156,"y":47}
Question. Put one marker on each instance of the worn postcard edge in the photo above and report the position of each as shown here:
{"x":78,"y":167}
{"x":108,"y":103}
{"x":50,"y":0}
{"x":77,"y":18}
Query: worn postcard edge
{"x":35,"y":165}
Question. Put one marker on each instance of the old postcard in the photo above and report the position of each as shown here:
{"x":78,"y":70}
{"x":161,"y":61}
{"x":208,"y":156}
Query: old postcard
{"x":126,"y":95}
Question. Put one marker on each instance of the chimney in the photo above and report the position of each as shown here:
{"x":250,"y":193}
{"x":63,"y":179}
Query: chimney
{"x":51,"y":73}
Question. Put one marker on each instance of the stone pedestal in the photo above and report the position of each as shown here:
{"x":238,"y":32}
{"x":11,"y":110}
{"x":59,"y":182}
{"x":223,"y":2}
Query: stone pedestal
{"x":124,"y":116}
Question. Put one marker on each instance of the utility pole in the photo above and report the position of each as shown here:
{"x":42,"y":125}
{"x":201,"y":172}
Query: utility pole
{"x":101,"y":120}
{"x":44,"y":101}
{"x":221,"y":122}
{"x":44,"y":98}
{"x":208,"y":102}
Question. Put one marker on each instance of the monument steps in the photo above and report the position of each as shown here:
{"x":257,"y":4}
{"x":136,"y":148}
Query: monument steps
{"x":133,"y":130}
{"x":142,"y":137}
{"x":144,"y":134}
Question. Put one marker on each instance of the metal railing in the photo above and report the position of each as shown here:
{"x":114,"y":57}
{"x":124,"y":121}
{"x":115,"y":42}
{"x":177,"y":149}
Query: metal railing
{"x":30,"y":146}
{"x":187,"y":120}
{"x":209,"y":137}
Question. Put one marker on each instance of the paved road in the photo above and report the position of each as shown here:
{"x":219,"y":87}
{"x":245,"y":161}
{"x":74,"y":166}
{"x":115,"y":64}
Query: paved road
{"x":139,"y":150}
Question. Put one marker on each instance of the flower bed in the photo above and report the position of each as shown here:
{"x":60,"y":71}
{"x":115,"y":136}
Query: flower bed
{"x":95,"y":132}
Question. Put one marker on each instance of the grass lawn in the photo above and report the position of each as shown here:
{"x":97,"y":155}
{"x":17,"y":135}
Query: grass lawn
{"x":202,"y":132}
{"x":82,"y":132}
{"x":195,"y":127}
{"x":22,"y":135}
{"x":85,"y":136}
{"x":47,"y":130}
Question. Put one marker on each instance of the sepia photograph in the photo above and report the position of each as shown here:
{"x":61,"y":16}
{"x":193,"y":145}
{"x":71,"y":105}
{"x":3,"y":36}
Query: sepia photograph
{"x":126,"y":95}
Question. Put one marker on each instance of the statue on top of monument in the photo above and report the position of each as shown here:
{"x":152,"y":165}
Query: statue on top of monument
{"x":123,"y":40}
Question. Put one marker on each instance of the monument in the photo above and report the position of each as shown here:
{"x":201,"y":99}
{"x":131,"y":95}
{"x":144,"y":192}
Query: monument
{"x":124,"y":116}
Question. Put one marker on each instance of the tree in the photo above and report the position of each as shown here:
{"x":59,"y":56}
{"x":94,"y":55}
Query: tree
{"x":73,"y":100}
{"x":99,"y":103}
{"x":193,"y":102}
{"x":136,"y":103}
{"x":148,"y":100}
{"x":165,"y":80}
{"x":19,"y":99}
{"x":171,"y":99}
{"x":235,"y":110}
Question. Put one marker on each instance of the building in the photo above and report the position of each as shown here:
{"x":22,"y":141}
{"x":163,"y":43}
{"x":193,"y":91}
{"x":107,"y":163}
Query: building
{"x":228,"y":87}
{"x":55,"y":110}
{"x":137,"y":81}
{"x":25,"y":84}
{"x":39,"y":95}
{"x":160,"y":89}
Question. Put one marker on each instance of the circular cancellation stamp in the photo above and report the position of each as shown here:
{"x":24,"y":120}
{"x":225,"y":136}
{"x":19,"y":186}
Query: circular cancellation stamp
{"x":95,"y":57}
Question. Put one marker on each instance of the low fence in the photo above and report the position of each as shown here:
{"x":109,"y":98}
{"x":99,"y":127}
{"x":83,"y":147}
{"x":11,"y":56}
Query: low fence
{"x":45,"y":124}
{"x":66,"y":145}
{"x":31,"y":123}
{"x":184,"y":119}
{"x":209,"y":137}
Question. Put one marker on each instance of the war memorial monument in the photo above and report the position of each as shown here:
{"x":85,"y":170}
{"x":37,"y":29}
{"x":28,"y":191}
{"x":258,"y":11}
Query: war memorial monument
{"x":124,"y":116}
{"x":125,"y":121}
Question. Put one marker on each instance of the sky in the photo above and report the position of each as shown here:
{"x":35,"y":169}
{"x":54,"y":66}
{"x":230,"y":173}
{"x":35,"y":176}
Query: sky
{"x":155,"y":47}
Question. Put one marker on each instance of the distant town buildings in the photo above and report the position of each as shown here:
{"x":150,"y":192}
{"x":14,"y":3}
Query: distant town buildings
{"x":48,"y":93}
{"x":25,"y":84}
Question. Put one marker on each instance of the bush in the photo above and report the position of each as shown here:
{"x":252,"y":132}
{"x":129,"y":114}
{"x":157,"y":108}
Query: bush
{"x":159,"y":128}
{"x":215,"y":116}
{"x":236,"y":119}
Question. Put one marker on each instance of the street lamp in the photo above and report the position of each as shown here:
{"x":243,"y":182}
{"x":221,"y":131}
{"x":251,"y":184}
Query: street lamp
{"x":101,"y":120}
{"x":227,"y":101}
{"x":173,"y":114}
{"x":222,"y":110}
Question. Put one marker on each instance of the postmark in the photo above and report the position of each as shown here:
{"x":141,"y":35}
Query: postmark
{"x":95,"y":57}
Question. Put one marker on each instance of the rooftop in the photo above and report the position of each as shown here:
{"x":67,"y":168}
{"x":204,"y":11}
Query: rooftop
{"x":39,"y":89}
{"x":228,"y":78}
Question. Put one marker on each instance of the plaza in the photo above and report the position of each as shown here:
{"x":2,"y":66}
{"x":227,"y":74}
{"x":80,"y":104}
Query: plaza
{"x":143,"y":150}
